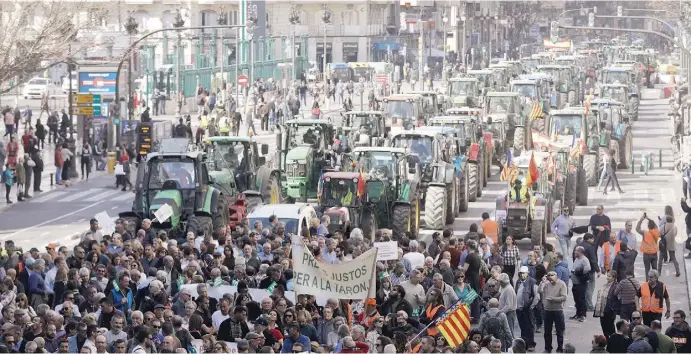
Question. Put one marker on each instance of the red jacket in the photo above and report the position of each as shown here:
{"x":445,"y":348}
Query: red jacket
{"x":360,"y":347}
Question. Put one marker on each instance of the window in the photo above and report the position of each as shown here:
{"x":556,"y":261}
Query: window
{"x":167,"y":19}
{"x":350,"y":18}
{"x":233,"y":18}
{"x":208,"y":18}
{"x":142,"y":18}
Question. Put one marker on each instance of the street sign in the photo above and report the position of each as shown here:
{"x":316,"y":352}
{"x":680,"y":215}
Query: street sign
{"x":86,"y":98}
{"x":87,"y":111}
{"x":535,"y":31}
{"x":243,"y":80}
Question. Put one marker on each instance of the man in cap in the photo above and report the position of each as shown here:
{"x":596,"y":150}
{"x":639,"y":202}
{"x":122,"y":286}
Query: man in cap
{"x":261,"y":326}
{"x":527,"y":297}
{"x":294,"y":338}
{"x":255,"y":340}
{"x":243,"y":346}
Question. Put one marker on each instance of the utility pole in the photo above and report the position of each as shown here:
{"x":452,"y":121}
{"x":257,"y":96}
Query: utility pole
{"x":179,"y":92}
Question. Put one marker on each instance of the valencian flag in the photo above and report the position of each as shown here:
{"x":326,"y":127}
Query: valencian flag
{"x":509,"y":171}
{"x":361,"y":185}
{"x":533,"y":172}
{"x":454,"y":324}
{"x":536,"y":111}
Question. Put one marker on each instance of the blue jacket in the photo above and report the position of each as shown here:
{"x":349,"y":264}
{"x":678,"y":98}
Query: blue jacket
{"x":562,"y":270}
{"x":288,"y":344}
{"x":117,"y":299}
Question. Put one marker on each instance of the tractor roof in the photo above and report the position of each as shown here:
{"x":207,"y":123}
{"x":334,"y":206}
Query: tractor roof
{"x":617,"y":69}
{"x":176,"y":147}
{"x":568,"y":111}
{"x":463,"y":111}
{"x":503,"y":94}
{"x":523,"y":82}
{"x":342,"y":175}
{"x":309,"y":122}
{"x":553,"y":66}
{"x":440,"y":129}
{"x":565,"y":57}
{"x":480,"y":72}
{"x":535,"y":76}
{"x":228,"y":139}
{"x":402,"y":97}
{"x":424,"y":93}
{"x":392,"y":150}
{"x":463,"y":79}
{"x":624,"y":86}
{"x":449,"y":119}
{"x":288,"y":211}
{"x":363,"y":113}
{"x":605,"y":102}
{"x":416,"y":132}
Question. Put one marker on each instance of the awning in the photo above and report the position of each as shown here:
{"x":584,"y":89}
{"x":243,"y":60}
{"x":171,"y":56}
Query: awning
{"x":386,"y":46}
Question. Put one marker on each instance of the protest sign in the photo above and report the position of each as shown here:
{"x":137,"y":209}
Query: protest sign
{"x":386,"y":251}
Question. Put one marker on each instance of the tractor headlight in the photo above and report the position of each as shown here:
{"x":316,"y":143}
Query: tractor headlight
{"x":523,"y":217}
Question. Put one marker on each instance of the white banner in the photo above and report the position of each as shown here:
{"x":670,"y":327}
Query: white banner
{"x":349,"y":280}
{"x":387,"y":251}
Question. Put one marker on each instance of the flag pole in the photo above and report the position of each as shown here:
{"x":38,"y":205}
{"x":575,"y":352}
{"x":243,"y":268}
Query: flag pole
{"x":423,"y":330}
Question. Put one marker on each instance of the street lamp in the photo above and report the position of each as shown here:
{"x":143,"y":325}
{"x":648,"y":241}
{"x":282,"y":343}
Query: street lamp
{"x":178,"y":23}
{"x":250,"y":26}
{"x":465,"y":60}
{"x":222,"y":20}
{"x":326,"y":19}
{"x":294,"y":21}
{"x":131,"y":27}
{"x":445,"y":21}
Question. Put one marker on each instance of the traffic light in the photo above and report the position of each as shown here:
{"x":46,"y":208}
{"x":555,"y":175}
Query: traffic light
{"x":591,"y":20}
{"x":554,"y":31}
{"x":620,"y":11}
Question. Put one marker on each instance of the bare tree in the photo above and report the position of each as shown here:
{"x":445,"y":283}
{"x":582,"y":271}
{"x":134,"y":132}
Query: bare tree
{"x":36,"y":35}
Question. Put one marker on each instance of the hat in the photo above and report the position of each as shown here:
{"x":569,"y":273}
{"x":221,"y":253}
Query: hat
{"x":251,"y":335}
{"x":523,"y":269}
{"x":159,"y":306}
{"x":551,"y":272}
{"x":34,"y":249}
{"x":243,"y":345}
{"x":260,"y":322}
{"x":29,"y":262}
{"x":19,"y":312}
{"x":371,"y":301}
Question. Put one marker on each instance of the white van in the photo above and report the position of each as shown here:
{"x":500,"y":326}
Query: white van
{"x":296,"y":216}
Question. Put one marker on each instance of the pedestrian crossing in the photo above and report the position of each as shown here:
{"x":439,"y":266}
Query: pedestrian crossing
{"x":86,"y":196}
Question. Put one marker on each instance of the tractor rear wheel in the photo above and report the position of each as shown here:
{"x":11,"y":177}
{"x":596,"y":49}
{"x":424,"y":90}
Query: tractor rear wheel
{"x":402,"y":220}
{"x":221,"y":215}
{"x":451,"y":202}
{"x":582,"y":189}
{"x":480,"y":178}
{"x":570,"y":193}
{"x":463,"y":193}
{"x":634,"y":106}
{"x":472,"y":182}
{"x":590,"y":167}
{"x":537,"y":232}
{"x":626,"y":151}
{"x":200,"y":225}
{"x":271,"y":188}
{"x":538,"y":124}
{"x":435,"y":207}
{"x":368,"y":224}
{"x":519,"y":138}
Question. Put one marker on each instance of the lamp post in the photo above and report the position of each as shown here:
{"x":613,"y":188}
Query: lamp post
{"x":326,"y":19}
{"x":131,"y":27}
{"x":178,"y":23}
{"x":222,"y":20}
{"x":465,"y":59}
{"x":249,"y":29}
{"x":445,"y":21}
{"x":294,"y":21}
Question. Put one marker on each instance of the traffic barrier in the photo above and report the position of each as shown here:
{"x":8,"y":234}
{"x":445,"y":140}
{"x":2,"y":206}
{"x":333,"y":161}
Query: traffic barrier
{"x":633,"y":164}
{"x":51,"y":179}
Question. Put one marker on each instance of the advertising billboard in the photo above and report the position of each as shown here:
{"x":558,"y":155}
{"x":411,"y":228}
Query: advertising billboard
{"x":97,"y":82}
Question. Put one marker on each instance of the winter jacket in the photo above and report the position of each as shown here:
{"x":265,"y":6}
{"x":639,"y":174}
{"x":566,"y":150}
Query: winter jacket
{"x":563,"y":272}
{"x":687,"y":210}
{"x":681,"y":335}
{"x":622,"y":262}
{"x":639,"y":346}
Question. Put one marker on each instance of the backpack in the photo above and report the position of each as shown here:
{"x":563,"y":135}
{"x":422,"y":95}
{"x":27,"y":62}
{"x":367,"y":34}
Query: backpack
{"x":493,"y":326}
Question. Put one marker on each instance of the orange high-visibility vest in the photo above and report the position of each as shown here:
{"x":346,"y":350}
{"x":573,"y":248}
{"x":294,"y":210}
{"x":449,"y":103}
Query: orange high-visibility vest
{"x":605,"y":249}
{"x":649,"y":303}
{"x":430,"y":313}
{"x":491,"y":229}
{"x":417,"y":348}
{"x":649,"y":244}
{"x":368,"y":320}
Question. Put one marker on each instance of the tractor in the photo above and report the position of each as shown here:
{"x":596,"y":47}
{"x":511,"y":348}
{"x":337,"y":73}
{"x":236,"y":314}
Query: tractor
{"x":626,"y":75}
{"x":465,"y":92}
{"x":565,"y":83}
{"x":531,"y":217}
{"x":364,"y":128}
{"x":435,"y":150}
{"x":622,"y":94}
{"x":536,"y":88}
{"x":473,"y":149}
{"x":176,"y":178}
{"x":487,"y":79}
{"x":237,"y":169}
{"x":391,"y":195}
{"x":304,"y":153}
{"x":404,"y":111}
{"x":615,"y":130}
{"x":508,"y":107}
{"x":433,"y":102}
{"x":476,"y":135}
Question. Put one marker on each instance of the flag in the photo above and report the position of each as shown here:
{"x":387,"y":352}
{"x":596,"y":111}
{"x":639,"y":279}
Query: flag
{"x":361,"y":185}
{"x":533,"y":172}
{"x":508,"y":170}
{"x":573,"y":139}
{"x":536,"y":111}
{"x":454,"y":324}
{"x":320,"y":185}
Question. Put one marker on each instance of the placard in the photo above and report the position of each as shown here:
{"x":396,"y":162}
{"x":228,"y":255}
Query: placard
{"x":539,"y":212}
{"x":105,"y":222}
{"x":500,"y":214}
{"x":163,"y":213}
{"x":387,"y":251}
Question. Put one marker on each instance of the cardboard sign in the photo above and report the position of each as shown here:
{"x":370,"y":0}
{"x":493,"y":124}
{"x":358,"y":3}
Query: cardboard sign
{"x":163,"y":213}
{"x":105,"y":222}
{"x":539,"y":212}
{"x":387,"y":250}
{"x":500,"y":214}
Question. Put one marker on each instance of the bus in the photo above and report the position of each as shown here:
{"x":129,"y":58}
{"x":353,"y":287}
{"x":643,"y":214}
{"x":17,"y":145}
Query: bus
{"x":361,"y":71}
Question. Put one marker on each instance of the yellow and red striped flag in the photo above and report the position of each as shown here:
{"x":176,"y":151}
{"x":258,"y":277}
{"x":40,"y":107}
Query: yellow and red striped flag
{"x":536,"y":111}
{"x":454,"y":324}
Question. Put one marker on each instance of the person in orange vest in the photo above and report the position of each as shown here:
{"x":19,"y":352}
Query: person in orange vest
{"x":490,"y":228}
{"x":370,"y":315}
{"x":608,"y":252}
{"x":649,"y":246}
{"x":651,"y":293}
{"x":433,"y":309}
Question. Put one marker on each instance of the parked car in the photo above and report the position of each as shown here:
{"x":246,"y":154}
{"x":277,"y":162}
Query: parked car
{"x":36,"y":86}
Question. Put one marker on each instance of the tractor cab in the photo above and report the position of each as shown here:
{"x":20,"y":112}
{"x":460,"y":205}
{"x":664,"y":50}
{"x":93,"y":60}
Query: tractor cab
{"x":364,"y":128}
{"x":561,"y":76}
{"x":465,"y":91}
{"x":506,"y":106}
{"x":432,"y":102}
{"x":404,"y":110}
{"x":529,"y":64}
{"x":487,"y":79}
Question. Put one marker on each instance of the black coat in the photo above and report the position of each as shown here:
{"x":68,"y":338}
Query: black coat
{"x":590,"y":253}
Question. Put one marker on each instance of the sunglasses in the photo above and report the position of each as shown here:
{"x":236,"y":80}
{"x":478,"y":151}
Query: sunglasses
{"x":635,"y":318}
{"x":157,"y":327}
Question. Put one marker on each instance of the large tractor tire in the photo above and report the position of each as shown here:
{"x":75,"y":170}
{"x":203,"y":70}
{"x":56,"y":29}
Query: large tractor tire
{"x":402,"y":220}
{"x":463,"y":193}
{"x":480,"y":178}
{"x":570,"y":193}
{"x":271,"y":188}
{"x":368,"y":224}
{"x":486,"y":167}
{"x":626,"y":151}
{"x":634,"y":105}
{"x":200,"y":225}
{"x":519,"y":139}
{"x":537,"y":232}
{"x":220,"y":216}
{"x":435,"y":208}
{"x":252,"y":201}
{"x":473,"y":185}
{"x":582,"y":189}
{"x":590,"y":169}
{"x":572,"y":98}
{"x":451,"y":202}
{"x":563,"y":99}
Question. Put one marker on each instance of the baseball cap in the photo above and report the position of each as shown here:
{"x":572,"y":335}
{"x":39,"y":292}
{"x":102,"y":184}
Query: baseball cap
{"x":34,"y":249}
{"x":159,"y":306}
{"x":243,"y":344}
{"x":524,"y":269}
{"x":551,"y":273}
{"x":252,"y":335}
{"x":260,"y":321}
{"x":29,"y":261}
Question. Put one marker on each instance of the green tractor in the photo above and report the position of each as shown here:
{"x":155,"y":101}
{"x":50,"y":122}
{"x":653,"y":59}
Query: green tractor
{"x":566,"y":83}
{"x":622,"y":94}
{"x":304,"y":153}
{"x":442,"y":182}
{"x":465,"y":92}
{"x":615,"y":130}
{"x":237,"y":165}
{"x":364,"y":128}
{"x":176,"y":179}
{"x":508,"y":107}
{"x":480,"y":143}
{"x":391,"y":197}
{"x":626,"y":75}
{"x":536,"y":87}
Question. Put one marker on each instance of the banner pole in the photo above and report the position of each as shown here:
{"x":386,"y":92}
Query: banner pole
{"x":423,"y":330}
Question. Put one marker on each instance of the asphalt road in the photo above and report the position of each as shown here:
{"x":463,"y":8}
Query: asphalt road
{"x":642,"y":194}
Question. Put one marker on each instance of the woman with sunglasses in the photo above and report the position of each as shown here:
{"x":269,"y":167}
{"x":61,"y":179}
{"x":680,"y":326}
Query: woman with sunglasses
{"x":288,"y":318}
{"x":383,"y":290}
{"x":23,"y":303}
{"x":381,"y":342}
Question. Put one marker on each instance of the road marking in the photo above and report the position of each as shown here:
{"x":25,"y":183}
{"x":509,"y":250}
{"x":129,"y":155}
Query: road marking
{"x":101,"y":196}
{"x":126,"y":196}
{"x":51,"y":221}
{"x":50,"y":196}
{"x":45,"y":233}
{"x":79,"y":195}
{"x":113,"y":208}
